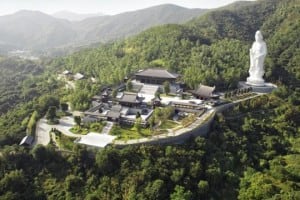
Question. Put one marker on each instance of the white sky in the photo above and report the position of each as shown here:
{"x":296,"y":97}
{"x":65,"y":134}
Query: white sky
{"x":110,"y":7}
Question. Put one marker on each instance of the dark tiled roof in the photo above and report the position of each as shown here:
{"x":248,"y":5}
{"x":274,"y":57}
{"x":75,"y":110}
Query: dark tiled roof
{"x":27,"y":140}
{"x":116,"y":108}
{"x":113,"y":114}
{"x":159,"y":73}
{"x":204,"y":90}
{"x":89,"y":119}
{"x":129,"y":97}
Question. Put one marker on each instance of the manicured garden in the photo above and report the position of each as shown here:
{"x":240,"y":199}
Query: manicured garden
{"x":86,"y":128}
{"x":129,"y":133}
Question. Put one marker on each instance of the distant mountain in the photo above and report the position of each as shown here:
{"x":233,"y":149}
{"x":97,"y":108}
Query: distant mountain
{"x":71,"y":16}
{"x":107,"y":28}
{"x":32,"y":29}
{"x":38,"y":31}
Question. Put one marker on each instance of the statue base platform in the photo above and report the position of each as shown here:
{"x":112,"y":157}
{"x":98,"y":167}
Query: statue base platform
{"x":255,"y":82}
{"x":264,"y":88}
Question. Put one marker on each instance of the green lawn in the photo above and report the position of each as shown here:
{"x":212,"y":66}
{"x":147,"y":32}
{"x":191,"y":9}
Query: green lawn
{"x":188,"y":120}
{"x":93,"y":127}
{"x":79,"y":130}
{"x":168,"y":124}
{"x":169,"y":95}
{"x":129,"y":133}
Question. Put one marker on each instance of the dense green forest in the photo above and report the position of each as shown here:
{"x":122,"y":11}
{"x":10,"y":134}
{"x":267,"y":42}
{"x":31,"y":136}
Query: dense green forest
{"x":12,"y":74}
{"x":252,"y":152}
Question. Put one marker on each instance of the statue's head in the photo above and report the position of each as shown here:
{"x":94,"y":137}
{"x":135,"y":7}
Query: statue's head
{"x":258,"y":36}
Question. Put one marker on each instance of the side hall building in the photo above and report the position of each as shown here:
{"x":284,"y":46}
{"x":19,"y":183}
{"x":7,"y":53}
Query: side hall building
{"x":205,"y":92}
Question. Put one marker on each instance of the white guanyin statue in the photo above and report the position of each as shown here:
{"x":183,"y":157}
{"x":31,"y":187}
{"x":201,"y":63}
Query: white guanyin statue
{"x":258,"y":53}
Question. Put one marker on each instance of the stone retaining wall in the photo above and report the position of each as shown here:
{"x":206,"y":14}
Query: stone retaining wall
{"x":201,"y":130}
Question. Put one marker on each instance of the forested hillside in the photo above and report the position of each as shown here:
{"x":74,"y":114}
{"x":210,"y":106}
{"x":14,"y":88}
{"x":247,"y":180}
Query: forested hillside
{"x":12,"y":74}
{"x":212,"y":50}
{"x":252,"y":152}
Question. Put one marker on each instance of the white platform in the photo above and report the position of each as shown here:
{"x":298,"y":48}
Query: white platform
{"x":96,"y":139}
{"x":265,"y":88}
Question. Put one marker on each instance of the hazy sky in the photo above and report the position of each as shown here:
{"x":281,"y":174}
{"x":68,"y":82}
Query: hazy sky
{"x":99,"y":6}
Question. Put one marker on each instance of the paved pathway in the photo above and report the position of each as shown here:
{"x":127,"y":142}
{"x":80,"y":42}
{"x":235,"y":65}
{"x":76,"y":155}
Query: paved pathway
{"x":42,"y":132}
{"x":106,"y":129}
{"x":64,"y":126}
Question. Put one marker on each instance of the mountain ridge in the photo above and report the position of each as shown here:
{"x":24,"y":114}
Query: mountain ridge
{"x":73,"y":16}
{"x":39,"y":31}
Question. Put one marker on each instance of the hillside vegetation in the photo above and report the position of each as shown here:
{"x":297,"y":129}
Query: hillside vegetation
{"x":252,"y":151}
{"x":12,"y":74}
{"x":212,"y":50}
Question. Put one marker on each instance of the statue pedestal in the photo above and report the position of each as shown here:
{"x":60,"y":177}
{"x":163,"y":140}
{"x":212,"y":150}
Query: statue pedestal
{"x":265,"y":88}
{"x":255,"y":81}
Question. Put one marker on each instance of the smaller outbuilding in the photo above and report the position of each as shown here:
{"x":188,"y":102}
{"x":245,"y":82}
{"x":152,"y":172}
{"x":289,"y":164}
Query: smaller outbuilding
{"x":27,"y":141}
{"x":130,"y":100}
{"x":204,"y":92}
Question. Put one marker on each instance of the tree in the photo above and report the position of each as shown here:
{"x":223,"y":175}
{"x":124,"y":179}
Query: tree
{"x":32,"y":123}
{"x":137,"y":124}
{"x":114,"y":93}
{"x":157,"y":94}
{"x":129,"y":85}
{"x":226,"y":95}
{"x":152,"y":121}
{"x":74,"y":184}
{"x":180,"y":194}
{"x":108,"y":160}
{"x":13,"y":181}
{"x":203,"y":187}
{"x":156,"y":190}
{"x":47,"y":101}
{"x":167,"y":87}
{"x":51,"y":113}
{"x":64,"y":107}
{"x":138,"y":115}
{"x":39,"y":153}
{"x":77,"y":120}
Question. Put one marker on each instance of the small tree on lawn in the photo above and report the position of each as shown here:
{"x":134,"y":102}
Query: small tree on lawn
{"x":77,"y":120}
{"x":226,"y":95}
{"x":51,"y":113}
{"x":138,"y":115}
{"x":157,"y":94}
{"x":129,"y":85}
{"x":137,"y":125}
{"x":167,"y":87}
{"x":152,"y":121}
{"x":114,"y":93}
